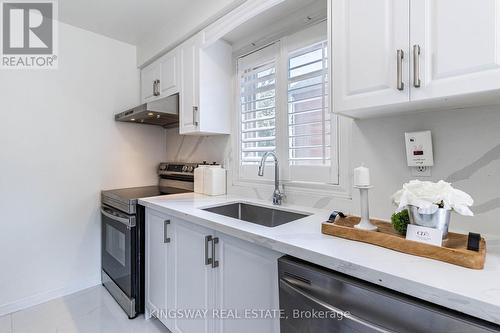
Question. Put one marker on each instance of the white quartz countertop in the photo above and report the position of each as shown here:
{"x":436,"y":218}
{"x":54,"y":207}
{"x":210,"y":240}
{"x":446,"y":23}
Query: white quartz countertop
{"x":474,"y":292}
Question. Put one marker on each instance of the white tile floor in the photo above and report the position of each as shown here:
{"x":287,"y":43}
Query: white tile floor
{"x":89,"y":311}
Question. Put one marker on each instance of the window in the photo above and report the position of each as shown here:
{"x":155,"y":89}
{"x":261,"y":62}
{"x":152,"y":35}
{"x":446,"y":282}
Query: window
{"x":309,"y":121}
{"x":284,"y":108}
{"x":308,"y":116}
{"x":258,"y":111}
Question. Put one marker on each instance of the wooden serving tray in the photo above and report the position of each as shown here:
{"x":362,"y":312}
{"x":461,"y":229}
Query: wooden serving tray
{"x":453,"y":251}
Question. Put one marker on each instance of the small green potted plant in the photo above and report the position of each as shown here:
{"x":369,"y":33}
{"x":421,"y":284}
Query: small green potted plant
{"x":400,"y":221}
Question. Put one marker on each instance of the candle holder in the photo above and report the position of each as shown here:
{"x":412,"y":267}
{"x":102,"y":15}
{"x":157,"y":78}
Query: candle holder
{"x":365,"y":223}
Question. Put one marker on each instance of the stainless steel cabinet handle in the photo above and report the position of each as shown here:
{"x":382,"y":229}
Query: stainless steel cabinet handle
{"x":156,"y":88}
{"x":208,"y":260}
{"x":416,"y":66}
{"x":399,"y":83}
{"x":215,"y":263}
{"x":287,"y":284}
{"x":195,"y":115}
{"x":166,"y":239}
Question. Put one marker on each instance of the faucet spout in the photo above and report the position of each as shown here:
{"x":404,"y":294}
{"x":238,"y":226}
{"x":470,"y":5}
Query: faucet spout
{"x":261,"y":170}
{"x":277,"y":194}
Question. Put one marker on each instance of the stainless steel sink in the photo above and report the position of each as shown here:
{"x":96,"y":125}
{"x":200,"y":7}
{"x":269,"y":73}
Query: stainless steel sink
{"x":268,"y":217}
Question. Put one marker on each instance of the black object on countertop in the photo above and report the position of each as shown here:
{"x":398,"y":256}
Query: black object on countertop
{"x":334,"y":215}
{"x":473,"y":241}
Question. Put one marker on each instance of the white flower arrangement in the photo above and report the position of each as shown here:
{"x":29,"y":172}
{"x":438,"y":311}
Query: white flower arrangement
{"x":429,"y":197}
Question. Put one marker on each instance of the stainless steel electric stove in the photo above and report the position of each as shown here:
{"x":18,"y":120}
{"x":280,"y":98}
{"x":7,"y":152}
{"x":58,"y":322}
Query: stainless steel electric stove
{"x":122,"y":238}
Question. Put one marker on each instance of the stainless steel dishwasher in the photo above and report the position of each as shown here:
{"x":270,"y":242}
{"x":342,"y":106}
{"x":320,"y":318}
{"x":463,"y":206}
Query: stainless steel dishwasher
{"x":315,"y":299}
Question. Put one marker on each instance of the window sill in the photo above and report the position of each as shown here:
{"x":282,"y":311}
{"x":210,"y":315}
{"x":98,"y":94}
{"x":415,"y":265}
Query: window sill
{"x":326,"y":189}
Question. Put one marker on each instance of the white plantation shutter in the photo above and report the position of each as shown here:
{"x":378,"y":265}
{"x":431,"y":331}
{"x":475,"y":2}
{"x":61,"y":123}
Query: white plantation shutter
{"x":309,"y":125}
{"x":257,"y":111}
{"x":284,"y":108}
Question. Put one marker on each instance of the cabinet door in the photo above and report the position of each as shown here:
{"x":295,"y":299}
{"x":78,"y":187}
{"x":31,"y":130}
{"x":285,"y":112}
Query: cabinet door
{"x":188,"y":108}
{"x":246,"y":279}
{"x":193,"y":278}
{"x":169,"y":76}
{"x":156,"y":263}
{"x":367,"y":35}
{"x":459,"y":46}
{"x":149,"y":75}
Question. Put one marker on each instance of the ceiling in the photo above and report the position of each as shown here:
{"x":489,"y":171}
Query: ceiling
{"x":129,"y":20}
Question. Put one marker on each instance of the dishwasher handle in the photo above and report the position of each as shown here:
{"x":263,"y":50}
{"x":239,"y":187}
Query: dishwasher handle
{"x":292,"y":285}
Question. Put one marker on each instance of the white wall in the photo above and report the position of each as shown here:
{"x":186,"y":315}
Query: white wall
{"x":60,"y":147}
{"x":466,"y":152}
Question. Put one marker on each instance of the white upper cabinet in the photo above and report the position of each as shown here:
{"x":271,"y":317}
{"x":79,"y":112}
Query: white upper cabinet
{"x":451,"y":54}
{"x":150,"y":76}
{"x":188,"y":103}
{"x":169,"y":77}
{"x":206,"y":89}
{"x":459,"y":44}
{"x":161,"y":78}
{"x":370,"y":53}
{"x":202,"y":75}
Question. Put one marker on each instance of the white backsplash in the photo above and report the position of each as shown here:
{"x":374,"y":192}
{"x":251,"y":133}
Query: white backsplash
{"x":187,"y":148}
{"x":466,"y":151}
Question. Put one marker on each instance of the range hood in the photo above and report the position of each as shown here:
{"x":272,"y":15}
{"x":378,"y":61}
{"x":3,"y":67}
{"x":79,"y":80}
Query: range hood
{"x":162,"y":112}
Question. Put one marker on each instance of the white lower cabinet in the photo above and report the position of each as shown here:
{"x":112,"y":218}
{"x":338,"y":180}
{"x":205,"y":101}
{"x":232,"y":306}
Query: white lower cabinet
{"x":158,"y":256}
{"x":226,"y":284}
{"x":191,"y":286}
{"x":246,"y":280}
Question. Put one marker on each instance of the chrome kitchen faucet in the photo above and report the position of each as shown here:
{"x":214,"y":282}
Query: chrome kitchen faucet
{"x":278,"y":196}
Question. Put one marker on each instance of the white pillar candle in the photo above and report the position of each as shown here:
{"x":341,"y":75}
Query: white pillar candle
{"x":361,"y":176}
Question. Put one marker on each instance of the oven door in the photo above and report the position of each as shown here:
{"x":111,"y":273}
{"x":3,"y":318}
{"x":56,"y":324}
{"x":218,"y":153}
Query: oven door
{"x":118,"y":250}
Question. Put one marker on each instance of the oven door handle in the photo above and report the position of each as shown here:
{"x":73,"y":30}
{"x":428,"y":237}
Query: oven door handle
{"x":129,"y":222}
{"x":288,"y":283}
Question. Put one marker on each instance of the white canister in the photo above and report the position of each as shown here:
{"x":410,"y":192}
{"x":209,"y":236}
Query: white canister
{"x":214,"y":180}
{"x":199,"y":178}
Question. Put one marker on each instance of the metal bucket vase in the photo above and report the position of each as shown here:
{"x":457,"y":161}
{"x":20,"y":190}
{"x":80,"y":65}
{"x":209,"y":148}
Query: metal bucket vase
{"x":439,"y":220}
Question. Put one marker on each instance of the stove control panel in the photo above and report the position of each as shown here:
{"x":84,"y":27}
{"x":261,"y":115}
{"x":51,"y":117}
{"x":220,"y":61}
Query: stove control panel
{"x":172,"y":168}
